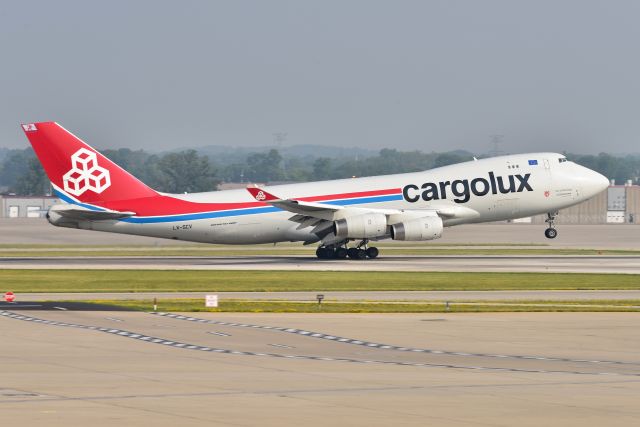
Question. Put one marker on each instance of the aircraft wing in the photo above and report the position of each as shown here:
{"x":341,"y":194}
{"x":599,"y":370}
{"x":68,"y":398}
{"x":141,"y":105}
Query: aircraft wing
{"x":79,"y":213}
{"x":323,"y":211}
{"x":321,"y":216}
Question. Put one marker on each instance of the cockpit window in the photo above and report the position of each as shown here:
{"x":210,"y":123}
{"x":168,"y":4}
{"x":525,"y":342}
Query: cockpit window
{"x":562,"y":160}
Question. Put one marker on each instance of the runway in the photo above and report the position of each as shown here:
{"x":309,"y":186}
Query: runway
{"x":232,"y":369}
{"x":604,"y":236}
{"x":487,"y":263}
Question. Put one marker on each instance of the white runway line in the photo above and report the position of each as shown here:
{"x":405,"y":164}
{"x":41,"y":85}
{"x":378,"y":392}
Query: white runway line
{"x":183,"y":346}
{"x":345,"y":340}
{"x":220,"y":334}
{"x":280,"y":345}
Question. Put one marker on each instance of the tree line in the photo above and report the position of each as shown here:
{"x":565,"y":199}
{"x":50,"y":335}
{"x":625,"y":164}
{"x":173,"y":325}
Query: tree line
{"x":179,"y":172}
{"x":189,"y":171}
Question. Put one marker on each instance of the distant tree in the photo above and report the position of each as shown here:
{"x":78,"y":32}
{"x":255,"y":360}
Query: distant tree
{"x":189,"y":171}
{"x":296,"y":169}
{"x":186,"y":171}
{"x":14,"y":165}
{"x":445,"y":159}
{"x":321,"y":168}
{"x":134,"y":162}
{"x":265,"y":167}
{"x":234,"y":172}
{"x":33,"y":181}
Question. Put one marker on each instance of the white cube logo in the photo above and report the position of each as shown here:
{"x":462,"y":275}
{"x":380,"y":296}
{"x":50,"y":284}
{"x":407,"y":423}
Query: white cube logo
{"x":86,"y":174}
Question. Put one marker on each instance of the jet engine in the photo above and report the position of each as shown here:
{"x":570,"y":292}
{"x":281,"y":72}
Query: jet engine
{"x":361,"y":226}
{"x":426,"y":228}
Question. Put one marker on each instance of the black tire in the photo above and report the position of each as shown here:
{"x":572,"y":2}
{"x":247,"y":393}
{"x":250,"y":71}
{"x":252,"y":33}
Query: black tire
{"x":362,"y":254}
{"x":550,"y":233}
{"x":372,"y":252}
{"x":331,"y":253}
{"x":341,"y":253}
{"x":352,"y":253}
{"x":324,"y":253}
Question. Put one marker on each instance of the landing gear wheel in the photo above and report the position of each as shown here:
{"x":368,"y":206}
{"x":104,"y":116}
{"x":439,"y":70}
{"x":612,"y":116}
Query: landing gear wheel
{"x":352,"y":253}
{"x":325,"y":253}
{"x":341,"y":253}
{"x":361,"y":254}
{"x":551,"y":232}
{"x":372,"y":252}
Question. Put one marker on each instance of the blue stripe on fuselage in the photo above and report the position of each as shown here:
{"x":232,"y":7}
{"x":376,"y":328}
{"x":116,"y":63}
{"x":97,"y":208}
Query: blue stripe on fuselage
{"x":68,"y":199}
{"x":229,"y":213}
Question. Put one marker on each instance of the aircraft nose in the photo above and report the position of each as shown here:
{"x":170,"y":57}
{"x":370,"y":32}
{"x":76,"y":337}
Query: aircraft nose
{"x":601,"y":181}
{"x":597,"y":182}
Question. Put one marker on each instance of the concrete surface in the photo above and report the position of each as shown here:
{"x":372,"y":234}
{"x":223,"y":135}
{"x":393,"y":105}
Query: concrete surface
{"x":39,"y":231}
{"x":100,"y":368}
{"x":489,"y":263}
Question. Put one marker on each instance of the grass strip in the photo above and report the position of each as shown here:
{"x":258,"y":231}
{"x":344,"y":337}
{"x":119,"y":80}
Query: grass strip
{"x":240,"y":306}
{"x":27,"y":280}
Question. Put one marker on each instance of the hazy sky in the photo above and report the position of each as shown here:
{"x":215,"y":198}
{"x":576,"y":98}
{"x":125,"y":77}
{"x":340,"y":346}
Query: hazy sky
{"x":430,"y":75}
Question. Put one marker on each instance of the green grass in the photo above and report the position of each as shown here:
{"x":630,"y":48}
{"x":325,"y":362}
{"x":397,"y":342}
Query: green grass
{"x":281,"y":281}
{"x":197,"y":305}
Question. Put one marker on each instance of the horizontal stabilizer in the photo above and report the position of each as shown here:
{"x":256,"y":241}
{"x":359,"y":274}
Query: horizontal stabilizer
{"x":79,"y":213}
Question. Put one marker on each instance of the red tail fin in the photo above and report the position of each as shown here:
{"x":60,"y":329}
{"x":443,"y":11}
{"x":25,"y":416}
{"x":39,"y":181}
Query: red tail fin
{"x":78,"y":170}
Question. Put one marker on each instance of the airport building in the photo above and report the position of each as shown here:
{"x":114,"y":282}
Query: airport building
{"x":12,"y":206}
{"x":620,"y":204}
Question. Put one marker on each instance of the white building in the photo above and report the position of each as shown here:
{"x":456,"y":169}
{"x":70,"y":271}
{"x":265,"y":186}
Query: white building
{"x":12,"y":206}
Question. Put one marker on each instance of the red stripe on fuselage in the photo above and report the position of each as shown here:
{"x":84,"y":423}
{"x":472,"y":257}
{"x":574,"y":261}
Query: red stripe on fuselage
{"x":166,"y":205}
{"x":350,"y":195}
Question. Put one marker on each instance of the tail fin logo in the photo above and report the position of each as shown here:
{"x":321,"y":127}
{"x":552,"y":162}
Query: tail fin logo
{"x":86,"y":174}
{"x":260,"y":196}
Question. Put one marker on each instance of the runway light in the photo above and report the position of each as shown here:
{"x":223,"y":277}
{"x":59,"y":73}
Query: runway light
{"x":9,"y":296}
{"x":319,"y":297}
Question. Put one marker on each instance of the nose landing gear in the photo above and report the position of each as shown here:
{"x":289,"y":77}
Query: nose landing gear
{"x":551,"y":232}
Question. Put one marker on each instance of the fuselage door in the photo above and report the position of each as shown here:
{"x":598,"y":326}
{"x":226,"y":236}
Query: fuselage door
{"x":547,"y":179}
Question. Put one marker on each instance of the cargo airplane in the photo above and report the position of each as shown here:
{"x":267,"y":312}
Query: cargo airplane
{"x":343,"y":216}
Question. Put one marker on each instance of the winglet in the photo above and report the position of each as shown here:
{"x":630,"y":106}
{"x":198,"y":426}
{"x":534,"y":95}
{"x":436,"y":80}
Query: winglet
{"x":262,"y":195}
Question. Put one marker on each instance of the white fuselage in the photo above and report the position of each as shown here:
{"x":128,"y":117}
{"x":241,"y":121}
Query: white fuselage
{"x":551,"y":184}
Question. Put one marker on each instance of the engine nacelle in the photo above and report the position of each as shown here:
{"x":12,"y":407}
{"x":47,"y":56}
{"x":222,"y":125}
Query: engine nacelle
{"x":362,"y":226}
{"x":426,"y":228}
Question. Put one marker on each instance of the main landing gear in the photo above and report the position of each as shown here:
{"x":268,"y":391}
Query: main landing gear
{"x":551,"y":232}
{"x":361,"y":251}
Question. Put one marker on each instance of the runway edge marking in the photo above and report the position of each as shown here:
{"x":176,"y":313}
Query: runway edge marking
{"x":187,"y":346}
{"x":344,"y":340}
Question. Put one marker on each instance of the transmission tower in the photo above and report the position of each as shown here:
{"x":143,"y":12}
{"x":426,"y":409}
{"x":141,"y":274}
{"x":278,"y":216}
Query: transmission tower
{"x":496,"y":143}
